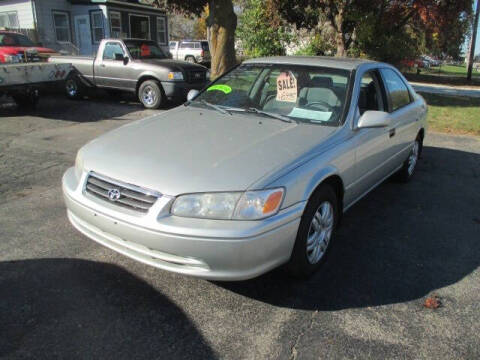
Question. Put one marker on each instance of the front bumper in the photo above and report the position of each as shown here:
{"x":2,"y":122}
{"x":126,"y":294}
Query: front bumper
{"x":210,"y":249}
{"x":177,"y":91}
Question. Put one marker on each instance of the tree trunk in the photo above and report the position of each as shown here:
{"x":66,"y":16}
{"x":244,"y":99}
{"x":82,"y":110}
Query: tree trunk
{"x":222,"y":23}
{"x":471,"y":54}
{"x":339,"y":35}
{"x":341,"y":49}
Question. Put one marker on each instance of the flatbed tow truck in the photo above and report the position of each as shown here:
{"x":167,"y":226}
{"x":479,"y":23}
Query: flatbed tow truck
{"x":25,"y":81}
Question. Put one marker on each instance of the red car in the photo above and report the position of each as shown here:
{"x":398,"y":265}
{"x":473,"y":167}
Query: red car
{"x":15,"y":46}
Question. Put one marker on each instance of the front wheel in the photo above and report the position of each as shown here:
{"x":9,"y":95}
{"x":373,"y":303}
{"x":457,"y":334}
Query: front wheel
{"x":190,"y":59}
{"x":315,"y":233}
{"x":150,"y":94}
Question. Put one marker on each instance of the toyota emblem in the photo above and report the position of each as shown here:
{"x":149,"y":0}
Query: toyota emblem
{"x":114,"y":194}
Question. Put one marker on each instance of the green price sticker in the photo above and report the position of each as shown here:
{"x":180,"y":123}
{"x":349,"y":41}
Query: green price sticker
{"x":223,"y":88}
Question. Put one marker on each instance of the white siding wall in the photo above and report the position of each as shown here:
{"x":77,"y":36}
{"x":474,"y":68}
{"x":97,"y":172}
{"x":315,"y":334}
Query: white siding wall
{"x":23,"y":9}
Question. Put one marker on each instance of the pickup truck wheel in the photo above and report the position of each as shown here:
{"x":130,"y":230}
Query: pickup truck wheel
{"x":150,"y":94}
{"x":73,"y":87}
{"x":190,"y":59}
{"x":315,"y":232}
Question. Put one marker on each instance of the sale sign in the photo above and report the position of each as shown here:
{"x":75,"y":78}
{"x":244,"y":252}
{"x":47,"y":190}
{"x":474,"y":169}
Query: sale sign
{"x":286,"y":87}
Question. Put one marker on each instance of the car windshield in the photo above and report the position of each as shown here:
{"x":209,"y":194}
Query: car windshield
{"x":15,"y":40}
{"x":307,"y":94}
{"x":144,"y":50}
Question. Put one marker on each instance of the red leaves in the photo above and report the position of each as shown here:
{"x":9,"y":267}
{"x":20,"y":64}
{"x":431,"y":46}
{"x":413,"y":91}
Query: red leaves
{"x":432,"y":302}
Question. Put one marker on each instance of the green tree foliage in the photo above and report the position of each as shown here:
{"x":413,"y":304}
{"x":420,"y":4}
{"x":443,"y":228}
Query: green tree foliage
{"x":262,"y":31}
{"x":387,"y":30}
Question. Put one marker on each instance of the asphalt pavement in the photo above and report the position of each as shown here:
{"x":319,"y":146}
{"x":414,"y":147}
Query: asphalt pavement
{"x":64,"y":296}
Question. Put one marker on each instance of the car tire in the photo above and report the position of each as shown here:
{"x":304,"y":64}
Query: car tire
{"x":74,"y":88}
{"x":150,"y":94}
{"x":190,"y":59}
{"x":315,"y":233}
{"x":27,"y":101}
{"x":410,"y":164}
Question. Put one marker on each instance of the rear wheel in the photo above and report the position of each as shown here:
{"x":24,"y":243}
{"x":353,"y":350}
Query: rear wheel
{"x":150,"y":94}
{"x":315,"y":233}
{"x":409,"y":166}
{"x":190,"y":59}
{"x":27,"y":100}
{"x":73,"y":87}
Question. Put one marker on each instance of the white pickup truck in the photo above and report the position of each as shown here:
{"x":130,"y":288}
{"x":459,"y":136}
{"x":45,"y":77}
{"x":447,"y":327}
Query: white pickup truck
{"x":24,"y":81}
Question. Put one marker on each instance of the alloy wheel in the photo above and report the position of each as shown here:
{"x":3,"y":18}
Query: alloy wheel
{"x":320,"y":232}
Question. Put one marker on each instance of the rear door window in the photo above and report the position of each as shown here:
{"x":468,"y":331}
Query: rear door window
{"x":397,"y":91}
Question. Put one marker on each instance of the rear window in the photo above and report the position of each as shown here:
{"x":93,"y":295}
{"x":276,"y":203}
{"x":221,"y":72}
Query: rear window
{"x":15,"y":40}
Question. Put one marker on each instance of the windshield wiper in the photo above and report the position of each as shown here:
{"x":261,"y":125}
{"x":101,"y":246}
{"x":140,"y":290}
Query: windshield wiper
{"x":266,"y":113}
{"x":269,"y":114}
{"x":215,"y":107}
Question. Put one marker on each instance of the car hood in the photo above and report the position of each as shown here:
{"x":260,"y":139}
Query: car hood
{"x":188,"y":150}
{"x":174,"y":64}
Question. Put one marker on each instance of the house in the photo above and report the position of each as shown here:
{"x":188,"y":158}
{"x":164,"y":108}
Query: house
{"x":77,"y":26}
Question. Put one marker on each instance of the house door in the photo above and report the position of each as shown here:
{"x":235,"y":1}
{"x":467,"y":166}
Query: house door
{"x":84,"y":37}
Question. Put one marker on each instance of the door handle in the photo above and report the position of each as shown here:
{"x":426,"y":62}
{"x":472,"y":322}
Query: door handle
{"x":103,"y":65}
{"x":391,"y":132}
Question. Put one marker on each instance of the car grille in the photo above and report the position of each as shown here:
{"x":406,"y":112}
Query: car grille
{"x":196,"y":76}
{"x":121,"y":194}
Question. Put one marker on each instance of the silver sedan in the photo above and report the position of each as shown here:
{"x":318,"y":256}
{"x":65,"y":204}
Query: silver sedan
{"x":253,"y":172}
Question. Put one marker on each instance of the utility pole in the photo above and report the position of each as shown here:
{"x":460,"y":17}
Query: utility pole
{"x":472,"y":44}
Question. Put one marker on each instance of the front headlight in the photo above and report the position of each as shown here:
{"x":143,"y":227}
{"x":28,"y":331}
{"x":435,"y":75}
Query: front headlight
{"x":176,"y":75}
{"x":250,"y":205}
{"x":78,"y":165}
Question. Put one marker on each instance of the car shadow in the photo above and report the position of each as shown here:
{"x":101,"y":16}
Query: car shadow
{"x":97,"y":105}
{"x":70,"y":308}
{"x":398,"y":244}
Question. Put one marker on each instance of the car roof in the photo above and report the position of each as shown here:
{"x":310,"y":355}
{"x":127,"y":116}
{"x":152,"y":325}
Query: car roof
{"x":326,"y":61}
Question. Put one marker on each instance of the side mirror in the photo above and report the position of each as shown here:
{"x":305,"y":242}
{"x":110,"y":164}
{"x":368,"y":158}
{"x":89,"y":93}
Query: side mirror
{"x":126,"y":60}
{"x":374,"y":119}
{"x":192,"y":94}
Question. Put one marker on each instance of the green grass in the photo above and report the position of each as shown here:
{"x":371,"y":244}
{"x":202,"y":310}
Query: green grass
{"x":452,"y":114}
{"x":453,"y":70}
{"x":445,"y":74}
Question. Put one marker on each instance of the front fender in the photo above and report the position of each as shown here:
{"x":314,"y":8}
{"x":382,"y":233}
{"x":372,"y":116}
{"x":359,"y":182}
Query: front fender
{"x":318,"y":178}
{"x":158,"y":75}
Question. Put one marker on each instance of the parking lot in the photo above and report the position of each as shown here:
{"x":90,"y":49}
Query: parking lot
{"x":64,"y":296}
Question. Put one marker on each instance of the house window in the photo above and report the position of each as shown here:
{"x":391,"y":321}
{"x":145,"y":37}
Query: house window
{"x":61,"y":23}
{"x":9,"y":19}
{"x":139,"y":26}
{"x":161,"y":30}
{"x":96,"y":19}
{"x":115,"y":24}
